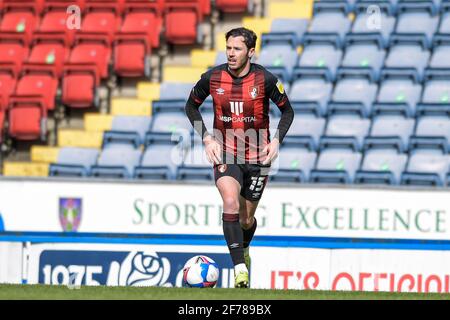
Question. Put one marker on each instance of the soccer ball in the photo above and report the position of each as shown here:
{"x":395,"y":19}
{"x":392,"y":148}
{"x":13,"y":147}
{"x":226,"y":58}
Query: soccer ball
{"x":200,"y":272}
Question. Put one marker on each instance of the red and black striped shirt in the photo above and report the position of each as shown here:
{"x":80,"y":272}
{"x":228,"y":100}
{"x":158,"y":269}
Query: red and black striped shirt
{"x":241,"y":108}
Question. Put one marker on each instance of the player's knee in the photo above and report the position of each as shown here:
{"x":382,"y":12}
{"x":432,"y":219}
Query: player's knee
{"x":230,"y":204}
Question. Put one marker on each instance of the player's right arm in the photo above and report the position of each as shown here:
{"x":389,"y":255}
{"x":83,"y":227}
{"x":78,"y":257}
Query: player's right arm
{"x":198,"y":94}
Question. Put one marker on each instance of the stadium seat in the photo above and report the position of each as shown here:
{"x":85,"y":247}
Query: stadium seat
{"x":175,"y":90}
{"x":407,"y":56}
{"x":398,"y":96}
{"x":306,"y":131}
{"x":234,"y":6}
{"x":27,"y":118}
{"x":363,"y":57}
{"x":310,"y":93}
{"x":132,"y":55}
{"x":279,"y":59}
{"x":336,"y":166}
{"x":38,"y":79}
{"x":74,"y":162}
{"x":51,"y":50}
{"x":417,"y":19}
{"x":294,"y":164}
{"x":161,"y":158}
{"x":321,"y":57}
{"x":432,"y":133}
{"x":353,"y":95}
{"x":182,"y":19}
{"x":435,"y":97}
{"x":171,"y":119}
{"x":390,"y":132}
{"x":80,"y":85}
{"x":92,"y":48}
{"x":13,"y":49}
{"x":55,"y":18}
{"x":330,"y":21}
{"x":101,"y":17}
{"x":144,"y":17}
{"x":425,"y":169}
{"x":345,"y":131}
{"x":441,"y":50}
{"x":116,"y":162}
{"x":19,"y":18}
{"x":195,"y":165}
{"x":381,"y":167}
{"x":288,"y":28}
{"x":127,"y":130}
{"x":365,"y":25}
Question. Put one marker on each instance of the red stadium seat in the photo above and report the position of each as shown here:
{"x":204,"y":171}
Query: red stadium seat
{"x":54,"y":21}
{"x":92,"y":48}
{"x":101,"y":18}
{"x":27,"y":118}
{"x":8,"y":81}
{"x":65,"y":3}
{"x":41,"y":80}
{"x":20,"y":18}
{"x":79,"y":85}
{"x":181,"y":21}
{"x":132,"y":55}
{"x":143,"y":17}
{"x":49,"y":49}
{"x":13,"y":49}
{"x":37,"y":4}
{"x":205,"y":6}
{"x":119,"y":3}
{"x":232,"y":6}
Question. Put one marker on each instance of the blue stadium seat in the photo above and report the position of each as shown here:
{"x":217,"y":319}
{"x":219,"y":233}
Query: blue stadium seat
{"x":417,"y":18}
{"x":336,"y":166}
{"x":390,"y":132}
{"x":74,"y":162}
{"x":389,"y":6}
{"x":320,"y":57}
{"x":398,"y":96}
{"x":175,"y":90}
{"x":432,"y":133}
{"x":330,"y":21}
{"x":381,"y":167}
{"x":407,"y":56}
{"x":345,"y":131}
{"x":435,"y":97}
{"x":305,"y":130}
{"x":279,"y":59}
{"x":353,"y":95}
{"x":290,"y":26}
{"x":363,"y":58}
{"x":426,"y":169}
{"x":171,"y":119}
{"x":128,"y":130}
{"x":293,"y":164}
{"x":366,"y":25}
{"x":195,"y":165}
{"x":117,"y":161}
{"x":161,"y":158}
{"x":310,"y":93}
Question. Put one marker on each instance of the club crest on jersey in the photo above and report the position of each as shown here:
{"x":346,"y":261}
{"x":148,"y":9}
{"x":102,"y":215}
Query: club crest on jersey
{"x":253,"y":91}
{"x":220,"y":91}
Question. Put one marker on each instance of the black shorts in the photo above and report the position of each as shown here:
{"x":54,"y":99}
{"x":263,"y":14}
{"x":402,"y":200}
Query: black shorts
{"x":252,"y":177}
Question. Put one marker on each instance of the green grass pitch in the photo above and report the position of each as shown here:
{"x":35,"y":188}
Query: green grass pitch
{"x":25,"y":292}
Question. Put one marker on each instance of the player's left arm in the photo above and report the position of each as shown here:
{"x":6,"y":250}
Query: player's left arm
{"x":278,"y":95}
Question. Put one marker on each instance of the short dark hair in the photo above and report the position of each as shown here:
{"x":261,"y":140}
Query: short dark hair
{"x":249,"y":36}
